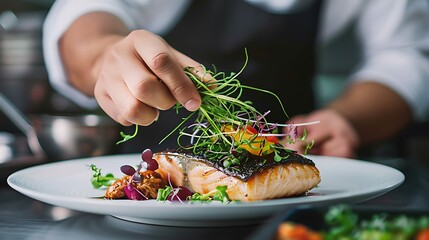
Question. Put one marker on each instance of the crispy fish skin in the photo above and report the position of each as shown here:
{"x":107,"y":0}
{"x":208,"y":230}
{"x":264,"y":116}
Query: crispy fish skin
{"x":289,"y":178}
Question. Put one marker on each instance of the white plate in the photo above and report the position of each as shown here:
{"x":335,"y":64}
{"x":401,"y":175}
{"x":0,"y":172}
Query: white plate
{"x":67,"y":184}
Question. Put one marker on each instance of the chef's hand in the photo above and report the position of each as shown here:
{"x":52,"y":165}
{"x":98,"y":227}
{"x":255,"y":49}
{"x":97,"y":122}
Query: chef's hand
{"x":140,"y":75}
{"x":333,"y":136}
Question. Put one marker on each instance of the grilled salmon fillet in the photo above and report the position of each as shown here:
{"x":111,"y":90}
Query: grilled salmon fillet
{"x":255,"y":179}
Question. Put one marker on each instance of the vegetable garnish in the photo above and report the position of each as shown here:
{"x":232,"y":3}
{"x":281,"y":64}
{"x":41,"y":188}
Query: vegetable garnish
{"x":222,"y":116}
{"x":181,"y":194}
{"x":170,"y":193}
{"x":341,"y":222}
{"x":218,"y":194}
{"x":344,"y":223}
{"x":226,"y":126}
{"x":147,"y":162}
{"x":126,"y":137}
{"x":98,"y":180}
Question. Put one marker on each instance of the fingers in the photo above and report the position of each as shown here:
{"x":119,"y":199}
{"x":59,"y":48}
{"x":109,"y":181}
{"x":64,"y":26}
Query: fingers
{"x":167,"y":66}
{"x":123,"y":107}
{"x":333,"y":136}
{"x":142,"y":74}
{"x":144,"y":85}
{"x":315,"y":136}
{"x":312,"y":134}
{"x":336,"y":147}
{"x":127,"y":91}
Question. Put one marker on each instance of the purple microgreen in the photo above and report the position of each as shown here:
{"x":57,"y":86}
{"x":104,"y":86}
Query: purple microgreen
{"x":142,"y":164}
{"x":295,"y":132}
{"x":128,"y":170}
{"x":291,"y":131}
{"x":152,"y":165}
{"x":180,"y":194}
{"x":147,"y":155}
{"x":148,"y":161}
{"x":171,"y":193}
{"x":136,"y":175}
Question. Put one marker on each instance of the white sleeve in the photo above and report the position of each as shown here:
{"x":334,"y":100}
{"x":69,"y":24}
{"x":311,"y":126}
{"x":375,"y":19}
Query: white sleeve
{"x":395,"y":37}
{"x":148,"y":14}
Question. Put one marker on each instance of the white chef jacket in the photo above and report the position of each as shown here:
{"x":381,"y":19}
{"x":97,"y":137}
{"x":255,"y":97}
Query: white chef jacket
{"x":393,"y":35}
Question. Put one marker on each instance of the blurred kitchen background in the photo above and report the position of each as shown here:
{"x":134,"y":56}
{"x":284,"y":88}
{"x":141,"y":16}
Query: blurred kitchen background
{"x":23,"y":78}
{"x":24,"y":81}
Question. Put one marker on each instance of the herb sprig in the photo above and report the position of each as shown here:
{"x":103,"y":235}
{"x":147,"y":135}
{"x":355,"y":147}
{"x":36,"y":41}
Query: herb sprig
{"x":170,"y":193}
{"x":221,"y":127}
{"x":223,"y":116}
{"x":98,"y":180}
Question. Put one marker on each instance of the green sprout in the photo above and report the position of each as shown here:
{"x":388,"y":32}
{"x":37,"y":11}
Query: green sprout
{"x":98,"y":180}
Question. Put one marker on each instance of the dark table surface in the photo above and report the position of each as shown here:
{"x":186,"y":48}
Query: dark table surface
{"x":24,"y":218}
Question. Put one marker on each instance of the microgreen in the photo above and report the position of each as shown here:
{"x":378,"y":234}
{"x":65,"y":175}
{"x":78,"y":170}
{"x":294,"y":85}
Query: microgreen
{"x":174,"y":194}
{"x":224,"y":124}
{"x":163,"y":193}
{"x":217,"y":194}
{"x":127,"y":137}
{"x":98,"y":180}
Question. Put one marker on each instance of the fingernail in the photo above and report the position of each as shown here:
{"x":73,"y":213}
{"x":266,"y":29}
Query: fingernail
{"x":192,"y":104}
{"x":157,"y":117}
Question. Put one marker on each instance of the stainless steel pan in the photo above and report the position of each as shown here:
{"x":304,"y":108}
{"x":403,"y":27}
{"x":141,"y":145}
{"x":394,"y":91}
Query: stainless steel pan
{"x":60,"y":137}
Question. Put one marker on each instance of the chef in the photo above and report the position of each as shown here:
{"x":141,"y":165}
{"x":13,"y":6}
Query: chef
{"x":127,"y":58}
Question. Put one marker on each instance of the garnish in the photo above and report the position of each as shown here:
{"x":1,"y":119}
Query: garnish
{"x":147,"y":157}
{"x":98,"y":180}
{"x":147,"y":162}
{"x":218,"y":194}
{"x":344,"y":223}
{"x":172,"y":194}
{"x":226,"y":126}
{"x":127,"y":137}
{"x":182,"y":193}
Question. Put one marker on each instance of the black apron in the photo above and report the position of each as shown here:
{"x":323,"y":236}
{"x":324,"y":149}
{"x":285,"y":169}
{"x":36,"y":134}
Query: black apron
{"x":281,"y":49}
